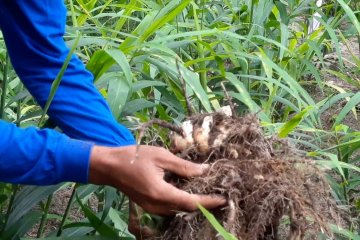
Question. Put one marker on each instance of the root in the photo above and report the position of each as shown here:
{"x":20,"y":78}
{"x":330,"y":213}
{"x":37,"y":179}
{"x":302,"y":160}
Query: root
{"x":146,"y":125}
{"x":231,"y":218}
{"x":228,"y":98}
{"x":160,"y":123}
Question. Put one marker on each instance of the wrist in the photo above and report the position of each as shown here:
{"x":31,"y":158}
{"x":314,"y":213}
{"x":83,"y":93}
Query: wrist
{"x":99,"y":165}
{"x":107,"y":164}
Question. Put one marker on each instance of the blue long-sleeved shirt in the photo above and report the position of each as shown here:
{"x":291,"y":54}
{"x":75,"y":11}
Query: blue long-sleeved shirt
{"x":33,"y":31}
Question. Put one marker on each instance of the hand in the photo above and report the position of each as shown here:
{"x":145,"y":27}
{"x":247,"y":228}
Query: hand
{"x":141,"y":178}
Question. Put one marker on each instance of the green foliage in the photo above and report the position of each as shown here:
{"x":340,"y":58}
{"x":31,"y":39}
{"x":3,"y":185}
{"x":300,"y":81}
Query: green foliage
{"x":293,"y":122}
{"x":220,"y":229}
{"x":143,"y":52}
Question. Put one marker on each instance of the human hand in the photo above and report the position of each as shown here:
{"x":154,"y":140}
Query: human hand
{"x":142,"y":178}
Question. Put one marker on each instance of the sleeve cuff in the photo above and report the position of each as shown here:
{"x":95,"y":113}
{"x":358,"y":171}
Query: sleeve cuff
{"x":73,"y":160}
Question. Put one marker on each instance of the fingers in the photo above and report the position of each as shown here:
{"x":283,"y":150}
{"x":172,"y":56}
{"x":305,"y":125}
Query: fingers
{"x":175,"y":199}
{"x":209,"y":201}
{"x":184,"y":168}
{"x":190,"y":202}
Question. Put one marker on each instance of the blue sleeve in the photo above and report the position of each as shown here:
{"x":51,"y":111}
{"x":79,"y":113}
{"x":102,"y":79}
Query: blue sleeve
{"x":41,"y":157}
{"x":33,"y":31}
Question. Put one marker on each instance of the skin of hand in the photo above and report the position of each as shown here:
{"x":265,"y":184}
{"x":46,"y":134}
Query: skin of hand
{"x":141,"y":178}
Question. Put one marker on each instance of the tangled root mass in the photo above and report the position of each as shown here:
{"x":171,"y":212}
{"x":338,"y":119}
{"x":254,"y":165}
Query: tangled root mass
{"x":272,"y":192}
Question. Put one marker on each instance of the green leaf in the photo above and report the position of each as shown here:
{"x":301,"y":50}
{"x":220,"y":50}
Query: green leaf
{"x":121,"y":60}
{"x":146,"y":83}
{"x":220,"y":229}
{"x":99,"y":63}
{"x":119,"y":224}
{"x":335,"y":163}
{"x":98,"y":225}
{"x":56,"y":82}
{"x":354,"y":100}
{"x":350,"y":14}
{"x":22,"y":226}
{"x":110,"y":197}
{"x":137,"y":105}
{"x":27,"y":198}
{"x":293,"y":123}
{"x":76,"y":231}
{"x":344,"y":232}
{"x":244,"y":95}
{"x":168,"y":66}
{"x":118,"y":92}
{"x":154,"y":21}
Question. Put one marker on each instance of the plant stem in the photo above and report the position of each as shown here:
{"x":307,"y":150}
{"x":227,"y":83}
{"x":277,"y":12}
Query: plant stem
{"x":18,"y":108}
{"x":15,"y":189}
{"x":121,"y":201}
{"x":73,"y":16}
{"x":201,"y":54}
{"x":359,"y":43}
{"x":251,"y":14}
{"x":4,"y":86}
{"x":101,"y":200}
{"x":67,"y":210}
{"x":44,"y":217}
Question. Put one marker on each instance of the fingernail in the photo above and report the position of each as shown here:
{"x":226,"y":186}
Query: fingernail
{"x":205,"y":167}
{"x":221,"y":199}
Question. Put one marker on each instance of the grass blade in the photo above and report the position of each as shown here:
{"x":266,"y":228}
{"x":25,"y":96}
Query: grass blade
{"x":220,"y":229}
{"x":56,"y":83}
{"x":293,"y":122}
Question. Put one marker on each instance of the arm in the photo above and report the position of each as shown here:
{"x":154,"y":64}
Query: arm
{"x":41,"y":157}
{"x":33,"y":32}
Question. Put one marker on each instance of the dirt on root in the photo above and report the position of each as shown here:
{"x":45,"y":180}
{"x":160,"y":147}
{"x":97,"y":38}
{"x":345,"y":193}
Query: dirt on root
{"x":271,"y":190}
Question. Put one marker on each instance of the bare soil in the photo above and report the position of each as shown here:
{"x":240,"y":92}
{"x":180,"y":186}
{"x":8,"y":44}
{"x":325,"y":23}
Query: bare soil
{"x":351,"y":71}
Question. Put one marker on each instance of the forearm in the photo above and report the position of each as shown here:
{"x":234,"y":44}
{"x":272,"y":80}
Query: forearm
{"x":41,"y":157}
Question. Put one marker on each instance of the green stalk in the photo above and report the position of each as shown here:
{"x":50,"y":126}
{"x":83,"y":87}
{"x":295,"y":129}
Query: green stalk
{"x":73,"y":16}
{"x":359,"y":43}
{"x":18,"y":108}
{"x":101,"y":200}
{"x":67,"y":210}
{"x":44,"y":217}
{"x":4,"y":86}
{"x":18,"y":113}
{"x":200,"y":49}
{"x":251,"y":14}
{"x":121,"y":201}
{"x":11,"y":203}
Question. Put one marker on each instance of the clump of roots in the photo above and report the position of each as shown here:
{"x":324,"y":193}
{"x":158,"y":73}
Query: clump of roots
{"x":272,"y":192}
